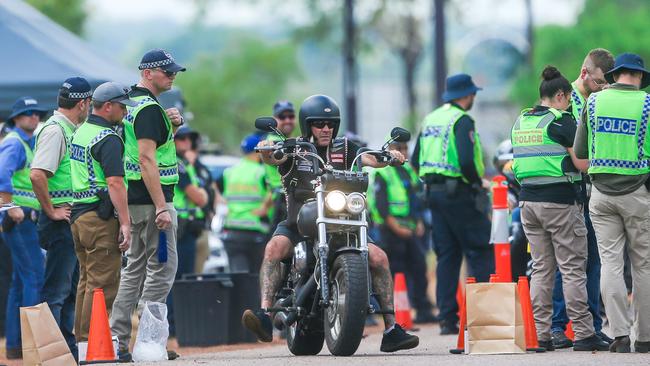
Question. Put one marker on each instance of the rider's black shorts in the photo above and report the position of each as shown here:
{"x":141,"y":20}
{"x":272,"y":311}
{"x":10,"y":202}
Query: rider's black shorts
{"x":291,"y":232}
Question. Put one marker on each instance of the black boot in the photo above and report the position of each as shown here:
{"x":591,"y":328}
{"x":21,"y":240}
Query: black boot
{"x":620,"y":345}
{"x":259,"y":323}
{"x":448,"y":327}
{"x":593,"y":343}
{"x":397,"y":339}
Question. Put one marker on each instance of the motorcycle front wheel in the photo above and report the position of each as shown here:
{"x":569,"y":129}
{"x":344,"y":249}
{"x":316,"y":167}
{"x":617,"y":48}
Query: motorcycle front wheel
{"x":345,"y":318}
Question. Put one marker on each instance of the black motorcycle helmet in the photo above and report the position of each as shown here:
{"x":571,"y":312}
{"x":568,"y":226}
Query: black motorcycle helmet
{"x":318,"y":108}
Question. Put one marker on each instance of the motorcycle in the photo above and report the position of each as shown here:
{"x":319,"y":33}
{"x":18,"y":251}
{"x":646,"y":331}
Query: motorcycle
{"x":327,"y":286}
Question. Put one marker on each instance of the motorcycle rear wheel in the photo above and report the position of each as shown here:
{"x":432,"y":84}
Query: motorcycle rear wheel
{"x":304,"y":342}
{"x":345,"y":318}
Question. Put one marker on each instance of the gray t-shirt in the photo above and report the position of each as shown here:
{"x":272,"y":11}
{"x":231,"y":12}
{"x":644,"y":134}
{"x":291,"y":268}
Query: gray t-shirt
{"x":51,"y":146}
{"x":609,"y":184}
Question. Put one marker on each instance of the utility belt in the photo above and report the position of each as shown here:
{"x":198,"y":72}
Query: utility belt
{"x":456,"y":188}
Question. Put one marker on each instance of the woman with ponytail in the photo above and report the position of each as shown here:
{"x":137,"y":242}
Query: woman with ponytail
{"x":551,"y":210}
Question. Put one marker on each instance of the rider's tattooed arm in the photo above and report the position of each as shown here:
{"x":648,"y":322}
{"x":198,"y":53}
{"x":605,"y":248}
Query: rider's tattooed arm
{"x":371,"y":161}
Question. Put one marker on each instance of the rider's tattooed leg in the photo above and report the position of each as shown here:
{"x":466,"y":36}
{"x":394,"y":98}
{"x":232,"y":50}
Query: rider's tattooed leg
{"x":270,"y":281}
{"x":382,"y":284}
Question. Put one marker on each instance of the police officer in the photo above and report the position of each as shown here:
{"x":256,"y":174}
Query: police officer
{"x":285,"y":115}
{"x":151,"y":172}
{"x":551,"y":209}
{"x":189,"y":197}
{"x":97,"y":169}
{"x":591,"y":80}
{"x":246,"y":227}
{"x":613,"y":137}
{"x":18,"y":224}
{"x":51,"y":178}
{"x":394,"y":206}
{"x":450,"y":161}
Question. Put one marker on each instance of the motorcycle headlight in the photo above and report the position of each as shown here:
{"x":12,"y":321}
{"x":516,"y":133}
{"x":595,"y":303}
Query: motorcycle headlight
{"x":335,"y":201}
{"x":356,"y":203}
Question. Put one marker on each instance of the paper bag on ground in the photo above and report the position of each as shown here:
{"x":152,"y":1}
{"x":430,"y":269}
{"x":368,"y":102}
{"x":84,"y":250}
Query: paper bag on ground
{"x":494,"y":319}
{"x":43,"y":343}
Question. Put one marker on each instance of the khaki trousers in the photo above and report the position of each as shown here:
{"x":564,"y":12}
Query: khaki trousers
{"x":100,"y":259}
{"x":144,"y":277}
{"x":618,"y":219}
{"x":558,"y":239}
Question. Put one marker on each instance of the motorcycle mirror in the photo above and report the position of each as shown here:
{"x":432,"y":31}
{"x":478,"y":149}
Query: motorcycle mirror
{"x":399,"y":134}
{"x":266,"y":124}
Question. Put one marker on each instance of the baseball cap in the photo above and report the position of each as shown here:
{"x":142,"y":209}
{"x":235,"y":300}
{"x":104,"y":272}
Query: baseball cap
{"x":185,"y":131}
{"x":282,"y":106}
{"x":113,"y":92}
{"x":249,"y":142}
{"x":76,"y":88}
{"x":159,"y":58}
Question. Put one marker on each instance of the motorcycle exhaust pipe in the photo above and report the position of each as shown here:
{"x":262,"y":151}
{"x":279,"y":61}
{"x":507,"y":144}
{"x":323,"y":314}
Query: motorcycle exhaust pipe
{"x":309,"y":287}
{"x":279,"y":320}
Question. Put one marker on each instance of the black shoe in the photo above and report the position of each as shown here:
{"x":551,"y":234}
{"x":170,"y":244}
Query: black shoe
{"x":447,"y":327}
{"x":397,"y":339}
{"x":547,"y":345}
{"x":604,"y":337}
{"x":425,"y":317}
{"x":259,"y":323}
{"x":641,"y":347}
{"x":560,"y":340}
{"x":620,"y":345}
{"x":593,"y":343}
{"x":123,"y":355}
{"x":172,"y":355}
{"x":14,"y":353}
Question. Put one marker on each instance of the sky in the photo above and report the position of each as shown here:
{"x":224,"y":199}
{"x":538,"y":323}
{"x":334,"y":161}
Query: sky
{"x":265,"y":12}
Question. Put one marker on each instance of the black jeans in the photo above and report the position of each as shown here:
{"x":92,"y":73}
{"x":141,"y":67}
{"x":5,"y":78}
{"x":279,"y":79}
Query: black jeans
{"x":409,"y":257}
{"x":459,"y":229}
{"x":245,"y":250}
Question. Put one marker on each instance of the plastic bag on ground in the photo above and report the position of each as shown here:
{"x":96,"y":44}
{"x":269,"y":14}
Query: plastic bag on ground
{"x":153,"y":331}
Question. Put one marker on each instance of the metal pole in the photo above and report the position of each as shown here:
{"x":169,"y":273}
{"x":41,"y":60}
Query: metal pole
{"x":529,"y":32}
{"x":349,"y":66}
{"x":439,"y":51}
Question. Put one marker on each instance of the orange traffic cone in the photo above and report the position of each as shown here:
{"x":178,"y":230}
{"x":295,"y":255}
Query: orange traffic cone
{"x":527,"y":313}
{"x":100,"y":344}
{"x":460,"y":297}
{"x":569,"y":331}
{"x":402,"y":305}
{"x":460,"y":343}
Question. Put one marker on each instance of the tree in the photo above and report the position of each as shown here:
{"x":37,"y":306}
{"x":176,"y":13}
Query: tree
{"x":226,"y":92}
{"x":620,"y":26}
{"x":71,"y":14}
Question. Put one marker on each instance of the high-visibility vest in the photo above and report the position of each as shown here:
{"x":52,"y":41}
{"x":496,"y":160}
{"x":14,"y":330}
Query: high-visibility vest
{"x":399,"y":203}
{"x":87,"y":174}
{"x":184,"y":206}
{"x":244,"y":190}
{"x":617,"y":126}
{"x":165,"y":153}
{"x":438,"y":154}
{"x":577,"y":103}
{"x":23,"y":194}
{"x":537,"y":158}
{"x":59,"y":185}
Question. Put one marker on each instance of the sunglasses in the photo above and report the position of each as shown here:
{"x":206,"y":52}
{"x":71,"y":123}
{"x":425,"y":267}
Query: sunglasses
{"x":287,"y":116}
{"x":322,"y":124}
{"x":168,"y":73}
{"x":30,"y":113}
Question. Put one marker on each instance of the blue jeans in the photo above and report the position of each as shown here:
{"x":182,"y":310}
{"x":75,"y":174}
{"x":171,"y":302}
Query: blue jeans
{"x":560,"y":317}
{"x":26,"y":277}
{"x":459,"y":228}
{"x":61,"y":275}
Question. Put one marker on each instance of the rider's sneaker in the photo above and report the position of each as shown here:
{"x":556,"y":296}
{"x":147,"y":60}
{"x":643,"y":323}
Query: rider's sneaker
{"x":259,"y":323}
{"x":397,"y":339}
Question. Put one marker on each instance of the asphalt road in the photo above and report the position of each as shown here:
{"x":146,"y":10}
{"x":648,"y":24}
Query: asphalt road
{"x":433,"y":350}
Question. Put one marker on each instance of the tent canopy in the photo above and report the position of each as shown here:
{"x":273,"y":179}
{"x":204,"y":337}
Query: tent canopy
{"x":38,"y":55}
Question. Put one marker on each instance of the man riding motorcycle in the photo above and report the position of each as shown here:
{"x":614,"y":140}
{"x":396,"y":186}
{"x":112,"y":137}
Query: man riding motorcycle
{"x":319,"y":123}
